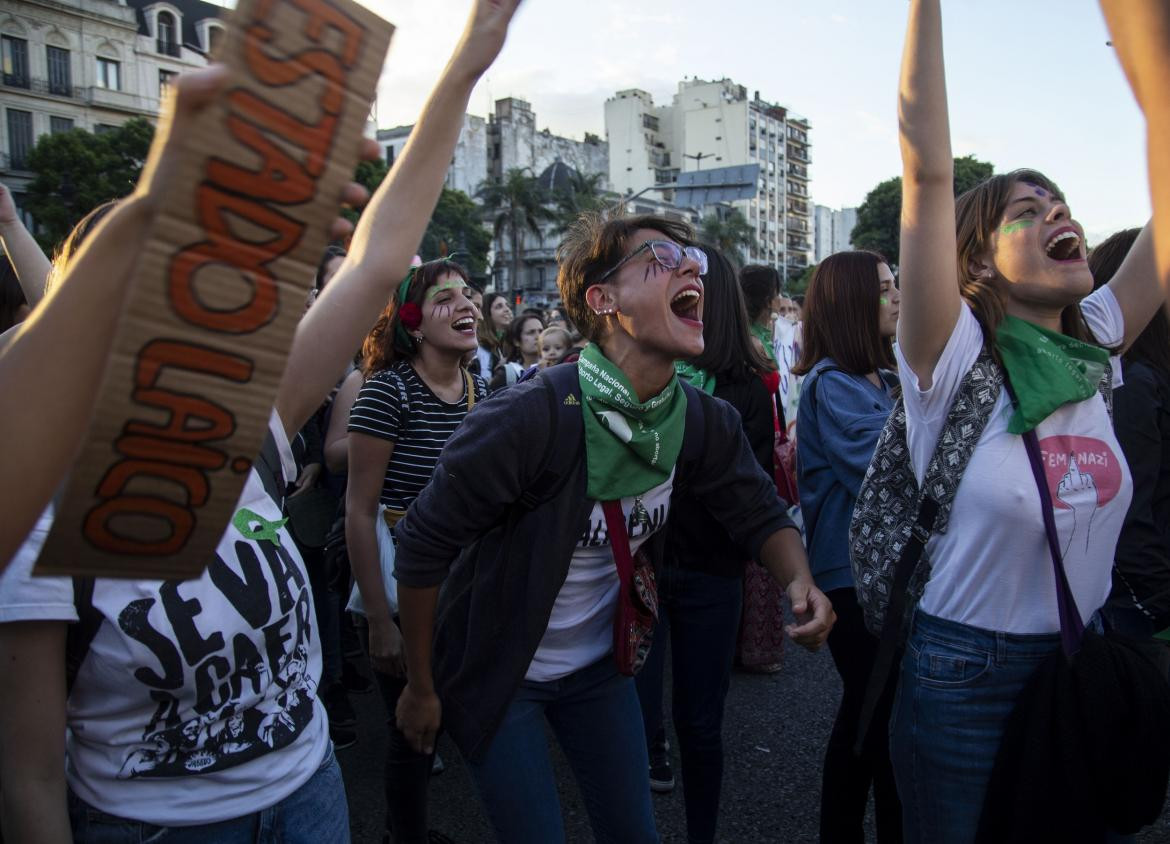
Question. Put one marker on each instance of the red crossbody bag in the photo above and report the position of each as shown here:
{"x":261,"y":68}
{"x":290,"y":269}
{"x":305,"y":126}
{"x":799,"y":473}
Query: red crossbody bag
{"x":637,"y":606}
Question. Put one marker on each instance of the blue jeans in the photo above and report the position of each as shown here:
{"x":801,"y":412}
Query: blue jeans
{"x":699,"y":614}
{"x":595,"y":716}
{"x":316,"y":813}
{"x":957,"y":688}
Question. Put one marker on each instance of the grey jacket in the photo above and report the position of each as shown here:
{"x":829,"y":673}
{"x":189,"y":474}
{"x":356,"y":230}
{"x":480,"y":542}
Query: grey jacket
{"x":501,"y":564}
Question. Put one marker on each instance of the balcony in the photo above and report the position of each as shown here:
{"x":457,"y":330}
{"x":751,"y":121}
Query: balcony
{"x":798,"y":154}
{"x":109,"y":98}
{"x":41,"y":86}
{"x":795,"y":206}
{"x":169,"y":48}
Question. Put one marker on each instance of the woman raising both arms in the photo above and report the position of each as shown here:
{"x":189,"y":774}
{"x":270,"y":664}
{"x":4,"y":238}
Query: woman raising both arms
{"x":1001,"y":269}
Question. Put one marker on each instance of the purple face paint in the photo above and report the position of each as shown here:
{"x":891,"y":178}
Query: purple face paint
{"x":1039,"y":190}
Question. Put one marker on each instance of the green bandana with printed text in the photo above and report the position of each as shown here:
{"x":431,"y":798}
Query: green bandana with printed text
{"x":630,"y":446}
{"x":1047,"y":369}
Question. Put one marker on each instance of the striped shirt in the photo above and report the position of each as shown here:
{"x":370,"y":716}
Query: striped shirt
{"x":396,"y":405}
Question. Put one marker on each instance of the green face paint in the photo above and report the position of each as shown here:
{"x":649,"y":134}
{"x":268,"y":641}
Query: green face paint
{"x":883,"y":301}
{"x":264,"y":530}
{"x":1017,"y":226}
{"x":449,"y":284}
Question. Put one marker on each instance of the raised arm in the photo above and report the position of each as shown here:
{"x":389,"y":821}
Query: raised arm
{"x":32,"y":732}
{"x":28,"y":261}
{"x":1141,"y":36}
{"x":392,"y":226}
{"x":927,"y":271}
{"x":37,"y":370}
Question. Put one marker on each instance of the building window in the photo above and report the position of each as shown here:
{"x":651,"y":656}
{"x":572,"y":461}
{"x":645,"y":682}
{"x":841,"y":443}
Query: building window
{"x":60,"y":76}
{"x":20,"y":138}
{"x":15,"y":58}
{"x":164,"y":80}
{"x":214,"y":36}
{"x":109,"y":74}
{"x":168,"y":44}
{"x":60,"y":124}
{"x":103,"y":128}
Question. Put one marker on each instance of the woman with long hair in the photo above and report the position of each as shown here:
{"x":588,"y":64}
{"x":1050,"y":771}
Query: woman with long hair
{"x":192,"y":714}
{"x":524,"y":338}
{"x":848,"y":362}
{"x":700,"y":592}
{"x":526,"y":621}
{"x":416,"y":393}
{"x":495,"y":346}
{"x":1001,"y":269}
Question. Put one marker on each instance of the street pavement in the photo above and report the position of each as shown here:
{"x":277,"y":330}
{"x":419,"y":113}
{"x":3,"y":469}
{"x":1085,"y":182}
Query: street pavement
{"x":775,"y":732}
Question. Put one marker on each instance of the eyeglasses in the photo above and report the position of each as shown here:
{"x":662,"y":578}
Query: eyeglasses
{"x":667,"y":253}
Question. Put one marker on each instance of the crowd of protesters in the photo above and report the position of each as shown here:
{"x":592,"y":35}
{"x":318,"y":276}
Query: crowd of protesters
{"x":514,"y":515}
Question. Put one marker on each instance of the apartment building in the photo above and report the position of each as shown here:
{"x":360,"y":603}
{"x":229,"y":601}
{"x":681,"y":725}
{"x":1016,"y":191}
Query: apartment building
{"x":90,"y":64}
{"x":832,"y":231}
{"x":715,"y":124}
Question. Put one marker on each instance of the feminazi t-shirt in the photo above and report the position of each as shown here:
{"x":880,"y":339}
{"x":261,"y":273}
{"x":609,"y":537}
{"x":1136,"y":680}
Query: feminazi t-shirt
{"x":196,"y":701}
{"x":580,"y":629}
{"x":992,"y":568}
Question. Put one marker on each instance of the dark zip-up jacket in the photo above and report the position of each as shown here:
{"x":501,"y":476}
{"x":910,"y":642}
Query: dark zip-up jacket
{"x":502,"y":566}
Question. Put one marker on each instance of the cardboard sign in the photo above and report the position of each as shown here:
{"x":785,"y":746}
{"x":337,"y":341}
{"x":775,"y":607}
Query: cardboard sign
{"x":217,"y":294}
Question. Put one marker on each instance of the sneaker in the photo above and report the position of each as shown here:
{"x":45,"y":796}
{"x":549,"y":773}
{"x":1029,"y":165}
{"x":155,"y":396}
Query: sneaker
{"x":661,"y":776}
{"x":354,"y":681}
{"x":342,"y":737}
{"x":338,"y":707}
{"x":437,"y":766}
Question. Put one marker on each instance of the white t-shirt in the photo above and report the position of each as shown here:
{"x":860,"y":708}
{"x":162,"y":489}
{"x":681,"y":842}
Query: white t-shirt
{"x":992,"y":568}
{"x":197,"y":700}
{"x":580,"y":629}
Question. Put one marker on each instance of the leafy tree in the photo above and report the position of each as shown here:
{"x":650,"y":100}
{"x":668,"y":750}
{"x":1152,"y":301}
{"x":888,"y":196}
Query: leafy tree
{"x":515,"y":205}
{"x":798,"y":286}
{"x":76,"y":171}
{"x":457,"y":227}
{"x":879,"y":217}
{"x":730,"y":232}
{"x":369,"y":174}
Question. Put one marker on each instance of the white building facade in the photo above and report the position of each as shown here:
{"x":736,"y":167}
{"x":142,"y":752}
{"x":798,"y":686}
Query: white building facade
{"x":833,"y":231}
{"x":90,"y":64}
{"x":715,"y":124}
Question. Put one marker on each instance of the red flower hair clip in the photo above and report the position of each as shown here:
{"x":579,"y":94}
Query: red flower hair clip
{"x":410,"y":315}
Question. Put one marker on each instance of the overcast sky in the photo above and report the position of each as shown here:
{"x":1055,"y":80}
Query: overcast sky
{"x":1031,"y":84}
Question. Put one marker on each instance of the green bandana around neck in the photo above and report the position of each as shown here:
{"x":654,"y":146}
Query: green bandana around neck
{"x":763,"y":333}
{"x":630,"y":446}
{"x":700,"y":379}
{"x":1047,"y":369}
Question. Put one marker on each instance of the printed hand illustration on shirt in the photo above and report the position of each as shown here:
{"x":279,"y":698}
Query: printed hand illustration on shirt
{"x":1079,"y":492}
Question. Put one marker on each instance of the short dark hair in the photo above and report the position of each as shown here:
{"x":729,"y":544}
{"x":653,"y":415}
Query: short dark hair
{"x":383,"y":347}
{"x":729,"y":350}
{"x":841,"y":315}
{"x":594,"y":244}
{"x":761,"y":285}
{"x":1153,"y":344}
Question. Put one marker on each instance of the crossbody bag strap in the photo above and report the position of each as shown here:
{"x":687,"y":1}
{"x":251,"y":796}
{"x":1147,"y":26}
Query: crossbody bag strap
{"x":1072,"y":629}
{"x":470,"y":390}
{"x":619,"y":541}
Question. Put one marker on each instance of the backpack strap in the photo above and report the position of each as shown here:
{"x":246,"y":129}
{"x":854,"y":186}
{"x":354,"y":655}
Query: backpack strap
{"x":816,"y":379}
{"x":966,"y":420}
{"x":80,"y":634}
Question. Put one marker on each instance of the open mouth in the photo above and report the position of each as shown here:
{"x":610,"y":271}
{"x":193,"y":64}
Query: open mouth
{"x":685,"y":304}
{"x":464,"y":324}
{"x":1065,"y":245}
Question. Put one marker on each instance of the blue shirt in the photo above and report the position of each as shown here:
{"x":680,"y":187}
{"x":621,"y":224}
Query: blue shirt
{"x":837,"y":427}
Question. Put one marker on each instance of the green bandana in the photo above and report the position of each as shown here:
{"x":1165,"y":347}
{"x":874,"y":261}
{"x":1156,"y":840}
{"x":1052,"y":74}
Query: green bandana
{"x":1048,"y":370}
{"x":764,"y":335}
{"x":630,"y":446}
{"x":700,"y":379}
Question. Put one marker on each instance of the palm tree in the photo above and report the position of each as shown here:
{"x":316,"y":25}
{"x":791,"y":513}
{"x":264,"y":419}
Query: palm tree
{"x":579,"y":195}
{"x":515,"y":205}
{"x":730,"y":232}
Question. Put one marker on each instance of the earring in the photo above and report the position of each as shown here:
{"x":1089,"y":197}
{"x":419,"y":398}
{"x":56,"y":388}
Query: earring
{"x":606,"y":312}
